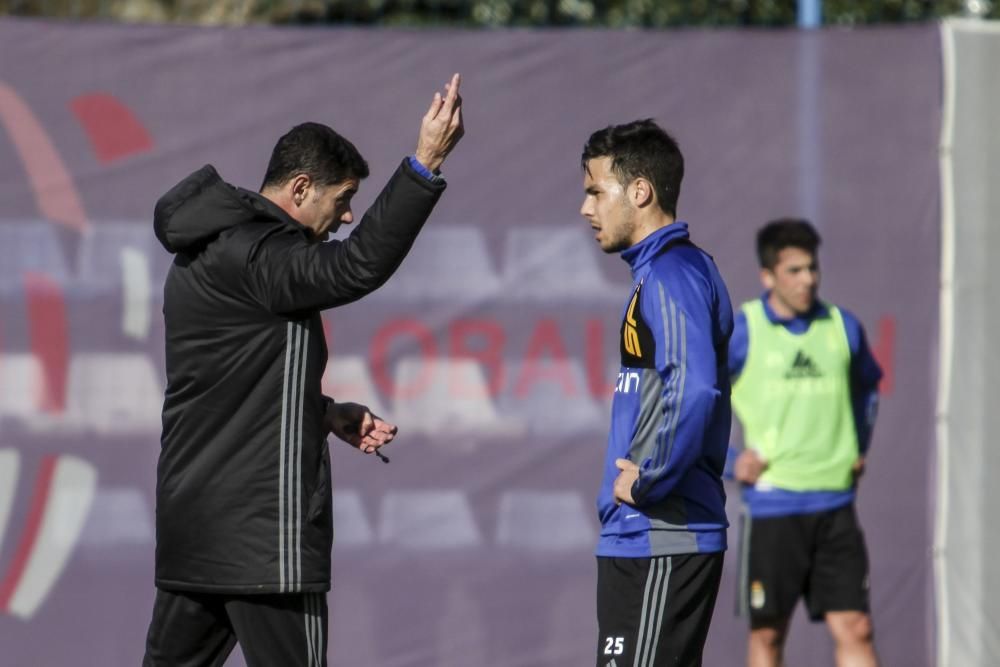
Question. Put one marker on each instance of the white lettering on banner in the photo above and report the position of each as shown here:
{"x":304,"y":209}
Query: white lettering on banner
{"x":122,"y":393}
{"x":535,"y":263}
{"x":114,"y":393}
{"x":430,"y":271}
{"x":106,"y":393}
{"x":558,"y":392}
{"x":136,"y":294}
{"x":487,"y":376}
{"x":120,"y":518}
{"x":554,"y":263}
{"x":346,"y":378}
{"x":350,"y":523}
{"x":431,"y":408}
{"x":62,"y":497}
{"x":428,"y":520}
{"x":10,"y":466}
{"x":103,"y":249}
{"x":22,"y":384}
{"x":544,"y":521}
{"x":443,"y":519}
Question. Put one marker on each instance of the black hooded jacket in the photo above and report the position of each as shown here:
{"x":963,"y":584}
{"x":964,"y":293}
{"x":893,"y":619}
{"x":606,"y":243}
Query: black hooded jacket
{"x":243,"y":501}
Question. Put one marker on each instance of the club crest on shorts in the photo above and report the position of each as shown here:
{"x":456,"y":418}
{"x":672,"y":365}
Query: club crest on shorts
{"x":757,"y":596}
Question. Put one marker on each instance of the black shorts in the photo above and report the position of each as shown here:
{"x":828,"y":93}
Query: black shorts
{"x":200,"y":630}
{"x":821,"y":557}
{"x":659,"y":608}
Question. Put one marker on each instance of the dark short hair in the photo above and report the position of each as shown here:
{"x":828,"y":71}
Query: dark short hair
{"x":317,"y":151}
{"x":641,"y":149}
{"x":783,"y":233}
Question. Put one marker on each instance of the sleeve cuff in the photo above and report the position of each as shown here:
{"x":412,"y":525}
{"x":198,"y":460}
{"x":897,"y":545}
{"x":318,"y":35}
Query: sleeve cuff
{"x":422,"y":170}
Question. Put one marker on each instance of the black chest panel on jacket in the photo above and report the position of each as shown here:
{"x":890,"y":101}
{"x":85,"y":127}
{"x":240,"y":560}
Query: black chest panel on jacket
{"x":638,"y":348}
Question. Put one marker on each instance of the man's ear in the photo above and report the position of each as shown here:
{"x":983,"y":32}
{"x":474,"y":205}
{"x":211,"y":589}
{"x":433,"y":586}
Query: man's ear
{"x":767,"y":278}
{"x":299,"y":187}
{"x":641,"y":193}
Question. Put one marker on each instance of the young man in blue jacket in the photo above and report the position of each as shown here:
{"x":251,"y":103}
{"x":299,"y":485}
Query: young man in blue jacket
{"x":661,"y":503}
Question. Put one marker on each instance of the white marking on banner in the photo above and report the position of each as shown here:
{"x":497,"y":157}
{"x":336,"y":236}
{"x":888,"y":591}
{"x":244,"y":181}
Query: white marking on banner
{"x":136,"y":293}
{"x":71,"y":494}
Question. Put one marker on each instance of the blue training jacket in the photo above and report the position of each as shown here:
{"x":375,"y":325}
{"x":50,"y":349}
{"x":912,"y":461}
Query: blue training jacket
{"x":671,"y":413}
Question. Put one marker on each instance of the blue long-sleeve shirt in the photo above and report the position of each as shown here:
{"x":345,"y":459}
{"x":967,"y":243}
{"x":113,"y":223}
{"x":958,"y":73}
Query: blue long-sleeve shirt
{"x":865,"y":376}
{"x":671,"y":409}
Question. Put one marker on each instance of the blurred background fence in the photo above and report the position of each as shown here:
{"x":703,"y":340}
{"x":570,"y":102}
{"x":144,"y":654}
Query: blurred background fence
{"x":502,"y":13}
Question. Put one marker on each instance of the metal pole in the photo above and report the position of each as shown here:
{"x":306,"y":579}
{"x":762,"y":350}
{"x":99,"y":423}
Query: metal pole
{"x":809,"y":127}
{"x":810,"y":13}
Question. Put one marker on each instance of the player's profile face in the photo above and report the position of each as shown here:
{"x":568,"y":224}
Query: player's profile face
{"x":606,"y":207}
{"x":330,"y":207}
{"x":794,"y":281}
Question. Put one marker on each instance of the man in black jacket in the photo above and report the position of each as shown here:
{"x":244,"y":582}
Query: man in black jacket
{"x":243,"y":501}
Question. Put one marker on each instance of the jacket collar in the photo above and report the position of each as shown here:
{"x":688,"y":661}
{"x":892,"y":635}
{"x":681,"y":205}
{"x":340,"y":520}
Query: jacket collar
{"x":645,"y":250}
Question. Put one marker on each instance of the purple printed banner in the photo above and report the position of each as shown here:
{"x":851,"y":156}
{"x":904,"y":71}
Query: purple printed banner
{"x":494,"y":347}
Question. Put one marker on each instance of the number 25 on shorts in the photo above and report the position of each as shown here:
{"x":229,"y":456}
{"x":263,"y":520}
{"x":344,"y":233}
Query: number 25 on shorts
{"x":614,"y":645}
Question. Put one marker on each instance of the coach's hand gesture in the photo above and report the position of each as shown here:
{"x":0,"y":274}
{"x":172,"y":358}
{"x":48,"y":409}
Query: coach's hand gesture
{"x":357,"y":426}
{"x":441,"y":127}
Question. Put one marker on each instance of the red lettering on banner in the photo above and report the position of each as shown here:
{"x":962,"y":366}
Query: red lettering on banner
{"x":381,"y":343}
{"x":601,"y":387}
{"x":36,"y":513}
{"x":545,"y":340}
{"x":48,"y":330}
{"x":55,"y":191}
{"x":489,"y":353}
{"x":484,"y":340}
{"x":112,"y":128}
{"x":884,"y":351}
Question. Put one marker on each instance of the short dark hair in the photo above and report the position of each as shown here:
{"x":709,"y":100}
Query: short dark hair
{"x":641,"y":149}
{"x":783,"y":233}
{"x":317,"y":151}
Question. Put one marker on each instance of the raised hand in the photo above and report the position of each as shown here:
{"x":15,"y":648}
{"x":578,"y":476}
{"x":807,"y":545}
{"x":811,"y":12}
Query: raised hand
{"x":441,"y":127}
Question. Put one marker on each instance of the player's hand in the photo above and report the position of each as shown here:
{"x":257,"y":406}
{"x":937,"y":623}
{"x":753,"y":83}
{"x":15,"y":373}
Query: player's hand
{"x":858,"y":469}
{"x":626,"y":478}
{"x":357,"y":426}
{"x":749,"y":466}
{"x":441,"y":127}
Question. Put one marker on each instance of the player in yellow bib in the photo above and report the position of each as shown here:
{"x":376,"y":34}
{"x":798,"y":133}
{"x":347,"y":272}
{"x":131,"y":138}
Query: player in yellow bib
{"x":804,"y":389}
